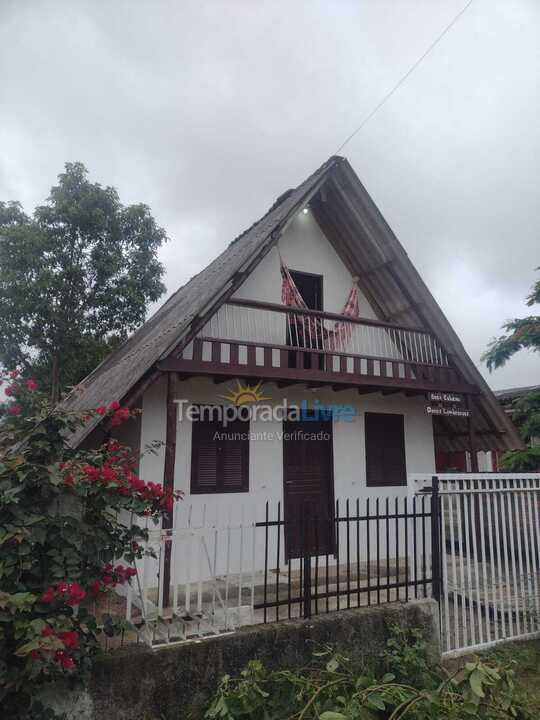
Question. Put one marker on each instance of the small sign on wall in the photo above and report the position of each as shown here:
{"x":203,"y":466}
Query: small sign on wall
{"x":447,"y":411}
{"x":445,"y":397}
{"x":447,"y":404}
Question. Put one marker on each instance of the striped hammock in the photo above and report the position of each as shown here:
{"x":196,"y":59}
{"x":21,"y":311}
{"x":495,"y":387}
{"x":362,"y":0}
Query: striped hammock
{"x":308,"y":330}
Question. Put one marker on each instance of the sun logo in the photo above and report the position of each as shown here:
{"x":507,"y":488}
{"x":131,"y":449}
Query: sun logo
{"x":245,"y":394}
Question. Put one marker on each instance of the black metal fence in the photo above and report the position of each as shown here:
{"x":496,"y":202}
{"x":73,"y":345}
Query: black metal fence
{"x":363,"y":552}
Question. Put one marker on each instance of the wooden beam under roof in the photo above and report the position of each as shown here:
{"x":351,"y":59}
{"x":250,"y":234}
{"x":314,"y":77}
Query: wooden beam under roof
{"x":378,"y":286}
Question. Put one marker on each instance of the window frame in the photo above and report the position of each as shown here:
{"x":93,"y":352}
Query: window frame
{"x":402,"y":476}
{"x":219,"y":487}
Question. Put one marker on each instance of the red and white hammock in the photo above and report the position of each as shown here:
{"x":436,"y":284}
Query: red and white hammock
{"x":309,"y":330}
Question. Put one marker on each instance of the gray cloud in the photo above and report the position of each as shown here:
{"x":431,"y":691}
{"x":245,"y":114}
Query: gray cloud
{"x":208,"y":110}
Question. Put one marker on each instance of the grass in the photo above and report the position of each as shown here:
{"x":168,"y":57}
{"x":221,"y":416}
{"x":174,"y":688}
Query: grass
{"x":527,"y":658}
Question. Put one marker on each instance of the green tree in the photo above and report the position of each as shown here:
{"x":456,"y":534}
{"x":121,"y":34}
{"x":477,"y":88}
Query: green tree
{"x":75,"y":278}
{"x":521,"y":333}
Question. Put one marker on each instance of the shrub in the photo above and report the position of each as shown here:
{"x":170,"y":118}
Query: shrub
{"x":332,"y":688}
{"x":62,"y":542}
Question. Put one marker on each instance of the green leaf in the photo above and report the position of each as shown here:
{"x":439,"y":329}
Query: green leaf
{"x":332,"y":715}
{"x":375,"y":701}
{"x":332,"y":665}
{"x":476,"y":680}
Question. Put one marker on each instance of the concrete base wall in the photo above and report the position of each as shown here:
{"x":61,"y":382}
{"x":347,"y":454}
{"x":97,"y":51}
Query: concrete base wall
{"x":178,"y":681}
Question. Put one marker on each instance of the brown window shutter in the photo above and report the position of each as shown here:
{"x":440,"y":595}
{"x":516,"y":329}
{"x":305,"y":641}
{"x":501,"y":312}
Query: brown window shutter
{"x":219,"y":457}
{"x":385,"y":450}
{"x":235,"y":457}
{"x":204,"y":456}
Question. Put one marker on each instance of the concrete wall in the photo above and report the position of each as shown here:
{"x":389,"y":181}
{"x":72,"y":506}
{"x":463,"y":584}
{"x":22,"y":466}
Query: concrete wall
{"x":179,"y":681}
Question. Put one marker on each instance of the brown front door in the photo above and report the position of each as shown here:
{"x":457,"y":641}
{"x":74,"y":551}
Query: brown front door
{"x":308,"y":487}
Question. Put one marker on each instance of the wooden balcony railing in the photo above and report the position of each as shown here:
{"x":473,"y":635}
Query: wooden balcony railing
{"x":250,"y":338}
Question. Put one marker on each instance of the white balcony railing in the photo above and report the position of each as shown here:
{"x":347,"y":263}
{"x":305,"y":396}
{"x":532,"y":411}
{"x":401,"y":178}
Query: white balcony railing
{"x":279,"y":326}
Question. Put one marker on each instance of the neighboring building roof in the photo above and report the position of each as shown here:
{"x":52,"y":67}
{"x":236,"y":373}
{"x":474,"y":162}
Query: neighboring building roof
{"x":353,"y":224}
{"x":513,"y":393}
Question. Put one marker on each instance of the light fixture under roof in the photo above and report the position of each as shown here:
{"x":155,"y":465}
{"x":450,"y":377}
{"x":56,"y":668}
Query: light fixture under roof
{"x":305,"y":211}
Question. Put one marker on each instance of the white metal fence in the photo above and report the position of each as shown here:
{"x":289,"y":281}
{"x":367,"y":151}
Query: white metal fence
{"x":490,"y":558}
{"x":219,"y":564}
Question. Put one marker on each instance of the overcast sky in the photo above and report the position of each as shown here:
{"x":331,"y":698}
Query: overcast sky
{"x":207,"y":111}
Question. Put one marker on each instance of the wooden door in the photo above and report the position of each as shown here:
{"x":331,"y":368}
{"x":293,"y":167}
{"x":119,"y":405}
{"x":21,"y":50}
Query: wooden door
{"x":308,"y":487}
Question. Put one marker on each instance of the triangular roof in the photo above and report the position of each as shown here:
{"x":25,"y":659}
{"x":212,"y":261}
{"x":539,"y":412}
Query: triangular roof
{"x":353,"y":224}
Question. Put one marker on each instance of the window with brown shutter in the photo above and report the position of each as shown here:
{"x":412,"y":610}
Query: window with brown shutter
{"x":219,"y":456}
{"x":385,"y":450}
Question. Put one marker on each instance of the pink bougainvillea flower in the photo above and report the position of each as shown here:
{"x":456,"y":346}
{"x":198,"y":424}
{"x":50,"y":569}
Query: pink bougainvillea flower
{"x":136,"y":483}
{"x":14,"y":374}
{"x":11,"y":389}
{"x":120,"y":416}
{"x":48,"y":596}
{"x":125,"y":573}
{"x":101,"y":410}
{"x":14,"y":409}
{"x":108,"y":474}
{"x":66,"y":661}
{"x":155,"y":489}
{"x":92,"y":472}
{"x":115,"y":405}
{"x":70,"y":639}
{"x":62,"y":587}
{"x":76,"y":594}
{"x":69,"y":480}
{"x":31,"y":384}
{"x":47,"y":631}
{"x":96,"y":587}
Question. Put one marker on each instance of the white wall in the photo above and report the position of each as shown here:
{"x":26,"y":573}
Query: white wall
{"x":266,"y":457}
{"x":304,"y":247}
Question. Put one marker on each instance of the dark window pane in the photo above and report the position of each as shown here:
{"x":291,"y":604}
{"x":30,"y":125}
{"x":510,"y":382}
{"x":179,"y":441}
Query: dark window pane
{"x":385,"y":450}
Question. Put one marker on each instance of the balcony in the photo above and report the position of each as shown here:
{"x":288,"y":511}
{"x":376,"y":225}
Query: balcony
{"x":246,"y":338}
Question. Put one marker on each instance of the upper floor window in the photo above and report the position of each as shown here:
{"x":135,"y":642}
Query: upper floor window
{"x":310,"y":287}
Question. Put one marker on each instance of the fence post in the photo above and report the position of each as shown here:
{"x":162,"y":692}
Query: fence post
{"x":435,"y":539}
{"x":307,"y":565}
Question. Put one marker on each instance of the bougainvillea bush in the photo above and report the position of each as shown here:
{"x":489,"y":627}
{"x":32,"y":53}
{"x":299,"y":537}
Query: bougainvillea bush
{"x":62,"y":542}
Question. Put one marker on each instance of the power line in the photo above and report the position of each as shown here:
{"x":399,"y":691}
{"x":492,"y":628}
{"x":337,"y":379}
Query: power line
{"x":404,"y":77}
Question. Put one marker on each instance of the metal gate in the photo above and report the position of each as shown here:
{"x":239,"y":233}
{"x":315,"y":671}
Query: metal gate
{"x":487,"y":577}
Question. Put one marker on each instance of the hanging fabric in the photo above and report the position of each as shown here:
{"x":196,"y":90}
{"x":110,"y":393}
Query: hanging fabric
{"x":310,"y":331}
